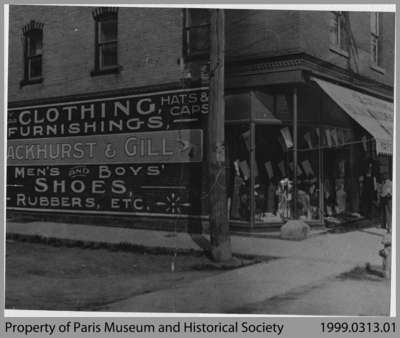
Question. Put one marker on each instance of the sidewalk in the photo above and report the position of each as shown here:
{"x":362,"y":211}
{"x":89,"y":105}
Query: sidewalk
{"x":301,"y":264}
{"x":355,"y":247}
{"x":233,"y":289}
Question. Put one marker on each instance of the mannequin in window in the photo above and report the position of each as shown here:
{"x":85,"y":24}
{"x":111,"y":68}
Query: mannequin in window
{"x":271,"y":204}
{"x":284,"y":193}
{"x":341,"y":197}
{"x":303,"y":200}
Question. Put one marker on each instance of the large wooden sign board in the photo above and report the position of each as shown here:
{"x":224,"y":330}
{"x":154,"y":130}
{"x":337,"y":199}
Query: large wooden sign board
{"x":138,"y":154}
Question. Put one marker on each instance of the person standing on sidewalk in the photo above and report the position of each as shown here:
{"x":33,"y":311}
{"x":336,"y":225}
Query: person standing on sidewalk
{"x":368,"y":195}
{"x":386,"y":202}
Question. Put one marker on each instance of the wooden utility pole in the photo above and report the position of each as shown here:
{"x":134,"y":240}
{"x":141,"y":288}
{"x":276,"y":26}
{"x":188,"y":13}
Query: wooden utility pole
{"x":219,"y":225}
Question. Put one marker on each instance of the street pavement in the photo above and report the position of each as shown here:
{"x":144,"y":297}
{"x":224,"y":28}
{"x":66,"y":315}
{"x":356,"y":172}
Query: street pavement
{"x":300,"y":264}
{"x":233,"y":289}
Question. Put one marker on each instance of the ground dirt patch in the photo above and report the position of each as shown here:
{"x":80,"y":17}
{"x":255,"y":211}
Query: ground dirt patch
{"x":47,"y":277}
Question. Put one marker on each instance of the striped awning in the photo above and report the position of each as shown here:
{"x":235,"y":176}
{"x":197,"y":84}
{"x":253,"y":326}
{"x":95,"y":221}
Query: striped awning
{"x":373,"y":114}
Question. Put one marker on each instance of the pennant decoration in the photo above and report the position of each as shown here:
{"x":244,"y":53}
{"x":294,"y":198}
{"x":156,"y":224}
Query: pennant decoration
{"x":268,"y":168}
{"x":364,"y":143}
{"x":328,"y":138}
{"x":282,"y":144}
{"x":244,"y":167}
{"x":342,"y":166}
{"x":299,"y":171}
{"x":236,"y":165}
{"x":281,"y":167}
{"x":320,"y":136}
{"x":246,"y":139}
{"x":287,"y":137}
{"x":307,"y":137}
{"x":334,"y":137}
{"x":307,"y":168}
{"x":347,"y":135}
{"x":317,"y":132}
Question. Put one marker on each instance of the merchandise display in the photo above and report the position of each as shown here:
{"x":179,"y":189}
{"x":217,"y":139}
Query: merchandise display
{"x":331,"y":181}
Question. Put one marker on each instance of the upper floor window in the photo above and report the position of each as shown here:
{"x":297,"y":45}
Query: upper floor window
{"x":375,"y":39}
{"x":338,"y":32}
{"x":106,"y":44}
{"x":33,"y":53}
{"x":196,"y":33}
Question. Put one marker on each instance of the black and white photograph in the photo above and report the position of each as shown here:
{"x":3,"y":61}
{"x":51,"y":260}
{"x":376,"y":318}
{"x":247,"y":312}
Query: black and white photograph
{"x":200,"y":160}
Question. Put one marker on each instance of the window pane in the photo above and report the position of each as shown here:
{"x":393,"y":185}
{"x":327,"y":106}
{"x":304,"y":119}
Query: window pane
{"x":334,"y":38}
{"x":108,"y":55}
{"x":374,"y":23}
{"x":273,"y":173}
{"x":374,"y":49}
{"x":198,"y":17}
{"x":34,"y":40}
{"x":199,"y":40}
{"x":343,"y":33}
{"x":283,"y":106}
{"x":308,"y":180}
{"x":35,"y":67}
{"x":238,"y":172}
{"x":108,"y":30}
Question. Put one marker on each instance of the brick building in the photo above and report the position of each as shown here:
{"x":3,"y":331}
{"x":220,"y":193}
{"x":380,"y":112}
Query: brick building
{"x":107,"y":112}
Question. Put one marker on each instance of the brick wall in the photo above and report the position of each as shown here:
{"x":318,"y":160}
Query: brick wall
{"x":149,"y":46}
{"x":314,"y":30}
{"x":261,"y":33}
{"x":265,"y":33}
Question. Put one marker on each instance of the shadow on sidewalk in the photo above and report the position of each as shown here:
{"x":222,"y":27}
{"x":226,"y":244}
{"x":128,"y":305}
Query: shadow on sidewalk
{"x":371,"y":232}
{"x":195,"y":231}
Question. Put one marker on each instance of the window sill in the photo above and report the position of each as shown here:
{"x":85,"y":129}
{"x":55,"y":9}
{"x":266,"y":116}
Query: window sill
{"x":27,"y":82}
{"x":339,"y":51}
{"x":111,"y":70}
{"x":377,"y":68}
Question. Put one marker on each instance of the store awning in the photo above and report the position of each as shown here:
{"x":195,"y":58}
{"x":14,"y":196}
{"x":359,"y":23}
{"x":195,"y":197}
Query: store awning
{"x":373,"y":114}
{"x":251,"y":104}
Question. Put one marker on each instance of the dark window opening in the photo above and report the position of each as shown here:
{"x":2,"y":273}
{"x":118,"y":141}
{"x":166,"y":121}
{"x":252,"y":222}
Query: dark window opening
{"x":338,"y":31}
{"x":106,"y":34}
{"x":375,"y":39}
{"x":33,"y":53}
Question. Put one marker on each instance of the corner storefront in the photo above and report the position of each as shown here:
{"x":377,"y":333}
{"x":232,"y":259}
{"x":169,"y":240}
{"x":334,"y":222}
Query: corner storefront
{"x":142,"y":154}
{"x":339,"y":138}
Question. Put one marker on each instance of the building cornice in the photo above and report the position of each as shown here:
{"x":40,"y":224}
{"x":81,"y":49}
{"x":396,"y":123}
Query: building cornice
{"x":310,"y":65}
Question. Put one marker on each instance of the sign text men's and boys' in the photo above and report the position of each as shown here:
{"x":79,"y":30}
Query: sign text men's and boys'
{"x":133,"y":154}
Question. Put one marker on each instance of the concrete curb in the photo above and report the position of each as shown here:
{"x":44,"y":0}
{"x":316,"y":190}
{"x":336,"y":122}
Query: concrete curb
{"x":353,"y":247}
{"x":127,"y":247}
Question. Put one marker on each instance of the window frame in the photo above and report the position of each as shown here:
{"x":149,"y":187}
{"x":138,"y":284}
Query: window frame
{"x":187,"y":29}
{"x":340,"y":32}
{"x":100,"y":17}
{"x":375,"y":41}
{"x":32,"y":32}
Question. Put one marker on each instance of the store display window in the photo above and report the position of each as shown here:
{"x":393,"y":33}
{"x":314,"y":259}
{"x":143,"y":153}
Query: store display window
{"x":308,"y":173}
{"x":260,"y":157}
{"x":238,"y":172}
{"x":337,"y":174}
{"x":273,"y":191}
